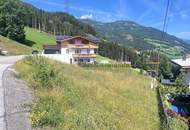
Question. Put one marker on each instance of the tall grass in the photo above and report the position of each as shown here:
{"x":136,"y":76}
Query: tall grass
{"x":69,"y":97}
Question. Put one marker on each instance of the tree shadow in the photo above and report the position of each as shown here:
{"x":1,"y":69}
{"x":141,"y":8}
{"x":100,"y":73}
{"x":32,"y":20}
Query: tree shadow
{"x":29,"y":43}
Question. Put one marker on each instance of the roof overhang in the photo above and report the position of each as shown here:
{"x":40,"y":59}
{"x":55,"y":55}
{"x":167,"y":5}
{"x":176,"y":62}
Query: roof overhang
{"x":183,"y":63}
{"x":75,"y":37}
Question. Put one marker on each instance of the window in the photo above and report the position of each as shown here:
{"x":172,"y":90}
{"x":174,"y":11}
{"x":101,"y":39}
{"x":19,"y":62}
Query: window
{"x":67,"y":51}
{"x":88,"y":51}
{"x":75,"y":60}
{"x":78,"y":51}
{"x":95,"y":51}
{"x":88,"y":60}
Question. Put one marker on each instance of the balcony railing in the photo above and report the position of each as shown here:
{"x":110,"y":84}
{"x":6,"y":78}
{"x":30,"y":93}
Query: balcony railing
{"x":82,"y":47}
{"x":84,"y":55}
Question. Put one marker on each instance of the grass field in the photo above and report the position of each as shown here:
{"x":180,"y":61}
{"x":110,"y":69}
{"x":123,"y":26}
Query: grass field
{"x":13,"y":48}
{"x":37,"y":39}
{"x":101,"y":59}
{"x":69,"y":97}
{"x":164,"y":48}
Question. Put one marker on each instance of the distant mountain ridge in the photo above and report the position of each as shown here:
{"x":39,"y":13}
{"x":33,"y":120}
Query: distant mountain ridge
{"x":187,"y":41}
{"x":134,"y":35}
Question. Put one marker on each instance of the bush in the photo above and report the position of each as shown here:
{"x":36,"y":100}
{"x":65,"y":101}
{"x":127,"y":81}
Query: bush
{"x":44,"y":74}
{"x":177,"y":124}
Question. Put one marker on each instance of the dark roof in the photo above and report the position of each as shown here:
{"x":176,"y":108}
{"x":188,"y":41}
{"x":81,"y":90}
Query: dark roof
{"x":89,"y":37}
{"x":93,"y":38}
{"x":51,"y":47}
{"x":62,"y":38}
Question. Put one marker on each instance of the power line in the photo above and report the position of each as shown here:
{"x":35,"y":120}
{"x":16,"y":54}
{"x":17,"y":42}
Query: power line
{"x":168,"y":20}
{"x":66,"y":6}
{"x":165,"y":18}
{"x":165,"y":26}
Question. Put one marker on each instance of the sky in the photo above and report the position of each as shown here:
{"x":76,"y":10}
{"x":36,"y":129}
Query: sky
{"x":145,"y":12}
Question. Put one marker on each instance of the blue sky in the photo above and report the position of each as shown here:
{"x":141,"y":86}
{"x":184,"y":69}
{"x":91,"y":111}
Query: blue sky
{"x":144,"y":12}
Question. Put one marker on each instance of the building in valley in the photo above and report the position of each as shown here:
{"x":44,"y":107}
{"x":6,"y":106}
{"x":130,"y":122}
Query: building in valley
{"x":78,"y":49}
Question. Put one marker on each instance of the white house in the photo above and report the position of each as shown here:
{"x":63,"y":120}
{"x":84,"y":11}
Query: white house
{"x":68,"y":49}
{"x":184,"y":65}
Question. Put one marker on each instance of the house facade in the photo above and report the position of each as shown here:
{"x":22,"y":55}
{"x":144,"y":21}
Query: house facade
{"x":184,"y":65}
{"x":71,"y":50}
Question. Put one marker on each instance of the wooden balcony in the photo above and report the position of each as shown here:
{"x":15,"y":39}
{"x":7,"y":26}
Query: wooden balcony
{"x":82,"y":47}
{"x":84,"y":55}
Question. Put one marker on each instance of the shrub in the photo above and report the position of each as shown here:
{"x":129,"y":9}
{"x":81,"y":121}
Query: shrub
{"x":44,"y":74}
{"x":177,"y":124}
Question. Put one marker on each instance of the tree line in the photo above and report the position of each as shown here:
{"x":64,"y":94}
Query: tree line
{"x":15,"y":15}
{"x":57,"y":23}
{"x":146,"y":60}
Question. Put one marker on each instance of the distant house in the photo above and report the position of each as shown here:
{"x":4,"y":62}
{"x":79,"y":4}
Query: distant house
{"x":77,"y":49}
{"x":184,"y":65}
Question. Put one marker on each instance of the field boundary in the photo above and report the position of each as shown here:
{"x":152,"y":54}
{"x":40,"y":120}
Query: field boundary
{"x":163,"y":115}
{"x":106,"y":65}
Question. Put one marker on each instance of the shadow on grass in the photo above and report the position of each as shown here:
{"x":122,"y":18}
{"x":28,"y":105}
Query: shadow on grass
{"x":29,"y":43}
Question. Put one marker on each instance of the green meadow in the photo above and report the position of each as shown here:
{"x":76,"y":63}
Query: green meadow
{"x":69,"y":97}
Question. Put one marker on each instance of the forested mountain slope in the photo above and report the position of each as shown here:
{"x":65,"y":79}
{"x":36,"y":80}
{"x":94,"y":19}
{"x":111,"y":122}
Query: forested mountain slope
{"x":54,"y":22}
{"x":14,"y":15}
{"x":139,"y":37}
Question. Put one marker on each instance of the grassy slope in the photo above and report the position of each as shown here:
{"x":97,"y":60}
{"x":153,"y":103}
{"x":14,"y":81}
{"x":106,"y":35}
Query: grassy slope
{"x":100,"y":59}
{"x":13,"y":48}
{"x":38,"y":39}
{"x":91,"y":99}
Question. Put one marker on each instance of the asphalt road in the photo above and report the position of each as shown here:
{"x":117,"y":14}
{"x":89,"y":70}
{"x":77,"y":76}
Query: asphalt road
{"x":14,"y":95}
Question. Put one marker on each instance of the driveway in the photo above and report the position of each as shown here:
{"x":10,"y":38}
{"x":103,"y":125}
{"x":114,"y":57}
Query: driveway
{"x":9,"y":85}
{"x":9,"y":59}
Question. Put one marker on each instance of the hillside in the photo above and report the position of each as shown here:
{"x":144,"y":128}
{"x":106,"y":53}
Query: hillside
{"x":14,"y":48}
{"x":71,"y":97}
{"x":188,"y":41}
{"x":37,"y":39}
{"x":136,"y":36}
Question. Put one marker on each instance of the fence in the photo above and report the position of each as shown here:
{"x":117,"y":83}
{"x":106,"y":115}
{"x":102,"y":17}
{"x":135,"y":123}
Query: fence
{"x":106,"y":65}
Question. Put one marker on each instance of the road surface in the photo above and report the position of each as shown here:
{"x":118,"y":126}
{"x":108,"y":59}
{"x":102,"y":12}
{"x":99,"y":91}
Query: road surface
{"x":5,"y":62}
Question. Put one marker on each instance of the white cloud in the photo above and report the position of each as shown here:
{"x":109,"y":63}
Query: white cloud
{"x":183,"y":15}
{"x":86,"y":16}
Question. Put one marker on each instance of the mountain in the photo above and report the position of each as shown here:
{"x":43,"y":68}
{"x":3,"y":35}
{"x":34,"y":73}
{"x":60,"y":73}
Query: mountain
{"x":134,"y":35}
{"x":187,"y":41}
